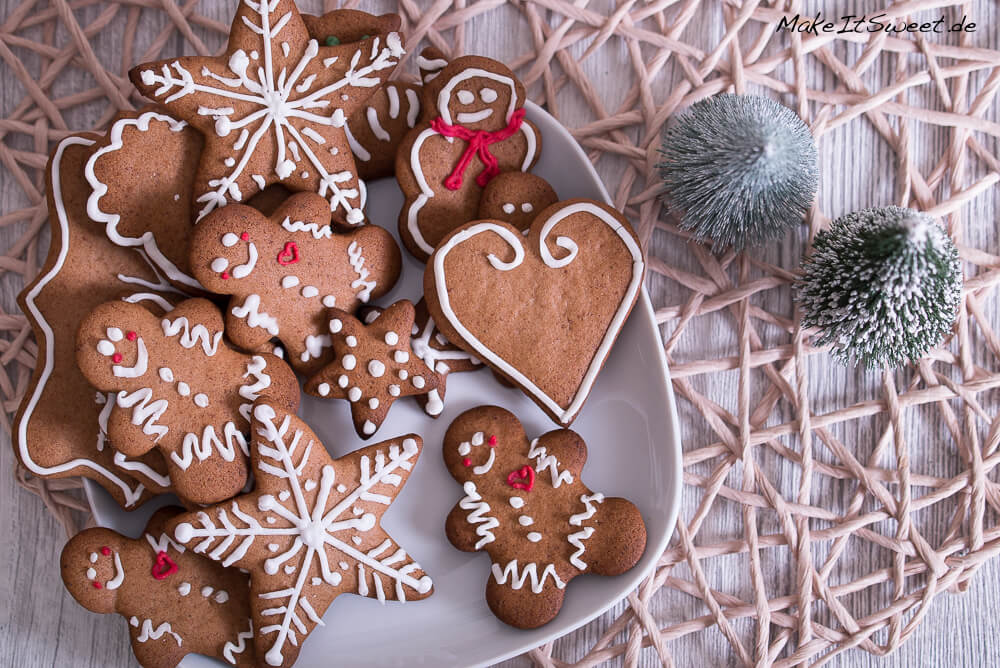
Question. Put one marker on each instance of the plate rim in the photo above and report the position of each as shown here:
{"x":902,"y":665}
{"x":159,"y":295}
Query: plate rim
{"x":643,"y":306}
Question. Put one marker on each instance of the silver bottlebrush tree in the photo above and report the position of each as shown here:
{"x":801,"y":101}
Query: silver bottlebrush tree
{"x":882,"y":285}
{"x":738,"y":170}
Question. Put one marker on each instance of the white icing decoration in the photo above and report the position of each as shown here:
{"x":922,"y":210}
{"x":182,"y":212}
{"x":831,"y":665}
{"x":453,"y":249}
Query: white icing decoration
{"x":240,"y":646}
{"x":342,"y":381}
{"x":394,"y":390}
{"x":414,"y":101}
{"x":349,"y":362}
{"x":91,"y":574}
{"x":114,"y":334}
{"x":336,"y":325}
{"x":144,"y":411}
{"x":566,"y":413}
{"x":534,"y":536}
{"x":525,"y":521}
{"x":183,"y":389}
{"x":192,"y":336}
{"x":140,"y":366}
{"x":375,"y":126}
{"x":315,"y":344}
{"x":150,"y":633}
{"x":184,"y":589}
{"x":488,"y":95}
{"x":323,"y":389}
{"x":588,"y":500}
{"x":362,"y":286}
{"x":93,"y":557}
{"x":244,"y":270}
{"x":516,"y":502}
{"x":310,"y":291}
{"x":466,"y":97}
{"x":528,"y":572}
{"x":472,"y":501}
{"x":289,"y":281}
{"x":392,"y":338}
{"x":403,"y":374}
{"x":229,"y":239}
{"x":219,"y":265}
{"x":119,"y":578}
{"x":509,"y":208}
{"x":369,"y":427}
{"x":373,"y":403}
{"x":351,"y":341}
{"x":106,"y":348}
{"x":201,"y":400}
{"x":527,"y":207}
{"x":376,"y":368}
{"x":354,"y":394}
{"x":255,"y":318}
{"x":418,"y":382}
{"x":393,"y":95}
{"x":543,"y":460}
{"x":401,"y":356}
{"x":329,"y":301}
{"x":317,"y":231}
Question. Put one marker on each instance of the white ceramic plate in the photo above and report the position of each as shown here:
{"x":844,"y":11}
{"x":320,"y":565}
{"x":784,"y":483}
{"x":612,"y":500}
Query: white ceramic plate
{"x":629,"y":423}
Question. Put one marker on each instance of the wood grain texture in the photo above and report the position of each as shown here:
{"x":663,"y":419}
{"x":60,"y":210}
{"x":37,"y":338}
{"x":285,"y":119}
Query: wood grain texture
{"x":41,"y":626}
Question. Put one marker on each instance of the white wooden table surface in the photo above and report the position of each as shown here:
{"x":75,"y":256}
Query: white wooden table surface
{"x":41,"y":626}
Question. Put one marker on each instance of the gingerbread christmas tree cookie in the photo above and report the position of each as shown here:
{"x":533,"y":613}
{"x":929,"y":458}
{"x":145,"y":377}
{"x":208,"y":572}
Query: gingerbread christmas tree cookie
{"x":374,"y":365}
{"x":310,"y":530}
{"x":175,"y":601}
{"x":526,"y":506}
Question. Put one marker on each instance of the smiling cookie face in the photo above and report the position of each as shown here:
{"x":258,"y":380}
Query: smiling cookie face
{"x":475,"y":93}
{"x":92,"y":569}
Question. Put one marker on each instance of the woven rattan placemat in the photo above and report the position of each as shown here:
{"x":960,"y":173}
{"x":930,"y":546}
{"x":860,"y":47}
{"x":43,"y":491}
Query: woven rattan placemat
{"x":846,"y":500}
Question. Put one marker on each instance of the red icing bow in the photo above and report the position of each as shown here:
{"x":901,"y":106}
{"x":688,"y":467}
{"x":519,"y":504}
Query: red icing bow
{"x":479,"y":144}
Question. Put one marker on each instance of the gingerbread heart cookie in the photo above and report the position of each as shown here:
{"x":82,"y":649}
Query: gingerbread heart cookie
{"x":543,"y":310}
{"x":142,"y":176}
{"x":180,"y":388}
{"x":176,"y":602}
{"x":474,"y":129}
{"x":284,"y":271}
{"x":310,"y":530}
{"x":272,"y":108}
{"x":373,"y":365}
{"x":527,"y":507}
{"x":57,"y":431}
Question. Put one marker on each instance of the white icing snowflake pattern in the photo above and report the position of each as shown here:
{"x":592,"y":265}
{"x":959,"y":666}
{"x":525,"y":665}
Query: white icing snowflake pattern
{"x":287,"y":98}
{"x":323,"y":534}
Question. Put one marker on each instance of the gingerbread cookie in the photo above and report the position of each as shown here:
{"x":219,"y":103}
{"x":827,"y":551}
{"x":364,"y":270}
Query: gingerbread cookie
{"x":180,"y":388}
{"x":142,"y":177}
{"x":474,"y":130}
{"x":57,"y":432}
{"x":310,"y":530}
{"x":543,"y":310}
{"x":176,"y":602}
{"x":373,"y":365}
{"x":273,"y":107}
{"x":516,"y":198}
{"x":282,"y":273}
{"x":376,"y":130}
{"x":526,"y":506}
{"x":430,"y":62}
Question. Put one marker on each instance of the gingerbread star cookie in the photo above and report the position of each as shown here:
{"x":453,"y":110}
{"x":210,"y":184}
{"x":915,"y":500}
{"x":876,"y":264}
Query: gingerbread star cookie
{"x":473,"y":129}
{"x":273,"y":107}
{"x":526,"y":506}
{"x":310,"y":530}
{"x":175,"y":601}
{"x":284,"y":270}
{"x":180,"y":388}
{"x":373,"y":366}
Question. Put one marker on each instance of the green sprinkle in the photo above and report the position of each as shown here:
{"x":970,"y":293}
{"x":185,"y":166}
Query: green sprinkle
{"x":332,"y":40}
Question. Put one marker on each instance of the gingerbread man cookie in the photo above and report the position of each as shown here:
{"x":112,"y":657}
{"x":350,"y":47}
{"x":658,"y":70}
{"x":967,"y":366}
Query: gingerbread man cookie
{"x":272,"y":108}
{"x":283,"y":271}
{"x":526,"y":506}
{"x":176,"y":602}
{"x":180,"y":388}
{"x":373,"y":365}
{"x":310,"y":530}
{"x":474,"y":130}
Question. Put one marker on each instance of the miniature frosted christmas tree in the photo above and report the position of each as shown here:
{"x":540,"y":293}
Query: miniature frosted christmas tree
{"x":738,"y":170}
{"x":882,"y":285}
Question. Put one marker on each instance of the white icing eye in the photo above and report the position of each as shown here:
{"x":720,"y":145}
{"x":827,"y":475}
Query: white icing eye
{"x":114,"y":334}
{"x":508,"y":208}
{"x":229,"y":239}
{"x":466,"y":97}
{"x":106,"y":348}
{"x":487,"y":95}
{"x":219,"y":264}
{"x":527,"y":208}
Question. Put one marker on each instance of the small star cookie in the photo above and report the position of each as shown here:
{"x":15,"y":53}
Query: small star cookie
{"x":374,"y":365}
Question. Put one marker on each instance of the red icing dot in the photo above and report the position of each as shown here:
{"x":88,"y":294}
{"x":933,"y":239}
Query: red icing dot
{"x":224,"y":275}
{"x":245,"y":237}
{"x":97,"y":585}
{"x":105,"y":551}
{"x":116,"y":358}
{"x":131,"y":336}
{"x":493,"y":441}
{"x":466,"y":462}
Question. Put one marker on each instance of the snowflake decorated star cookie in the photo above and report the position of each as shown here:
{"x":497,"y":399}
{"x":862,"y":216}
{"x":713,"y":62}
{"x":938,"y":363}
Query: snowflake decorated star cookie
{"x":526,"y":506}
{"x":273,"y":107}
{"x":309,"y":531}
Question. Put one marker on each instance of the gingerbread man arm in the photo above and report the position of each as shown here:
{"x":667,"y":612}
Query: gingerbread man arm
{"x":152,"y":650}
